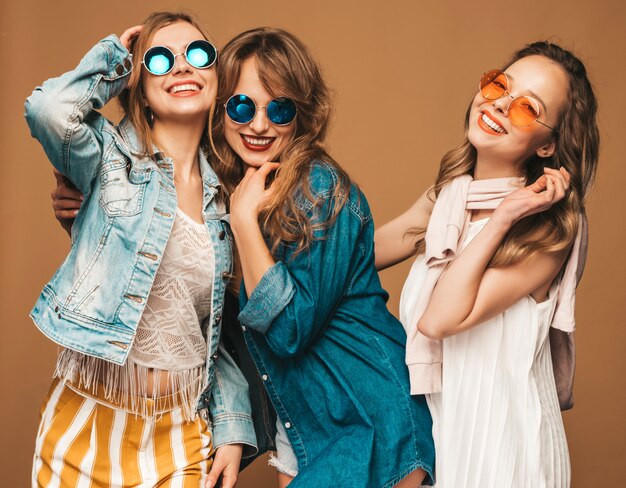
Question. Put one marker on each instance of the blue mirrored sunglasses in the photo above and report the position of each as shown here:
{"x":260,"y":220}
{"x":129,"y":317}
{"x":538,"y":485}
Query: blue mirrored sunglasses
{"x":241,"y":109}
{"x":159,"y":60}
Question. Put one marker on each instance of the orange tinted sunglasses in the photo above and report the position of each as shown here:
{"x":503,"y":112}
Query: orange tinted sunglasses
{"x":523,"y":111}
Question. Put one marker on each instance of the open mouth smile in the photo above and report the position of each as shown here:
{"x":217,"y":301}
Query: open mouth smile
{"x":489,"y":125}
{"x":257,"y":143}
{"x":184,"y":89}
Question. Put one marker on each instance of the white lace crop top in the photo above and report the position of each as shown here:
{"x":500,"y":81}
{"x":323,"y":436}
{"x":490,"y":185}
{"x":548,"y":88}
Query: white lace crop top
{"x":168,"y":355}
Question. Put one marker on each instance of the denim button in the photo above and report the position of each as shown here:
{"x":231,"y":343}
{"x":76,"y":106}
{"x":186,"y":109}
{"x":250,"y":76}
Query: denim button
{"x":288,"y":425}
{"x":128,"y":64}
{"x":119,"y":69}
{"x":214,"y":356}
{"x":221,"y":235}
{"x":56,"y":309}
{"x":264,"y":377}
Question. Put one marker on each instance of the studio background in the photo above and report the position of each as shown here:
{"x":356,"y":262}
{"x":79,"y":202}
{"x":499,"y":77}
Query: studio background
{"x":403,"y":73}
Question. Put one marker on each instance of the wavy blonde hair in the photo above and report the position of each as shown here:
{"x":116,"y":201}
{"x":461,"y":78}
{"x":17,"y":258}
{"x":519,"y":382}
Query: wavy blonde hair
{"x":286,"y":68}
{"x":132,"y":99}
{"x":577,"y":147}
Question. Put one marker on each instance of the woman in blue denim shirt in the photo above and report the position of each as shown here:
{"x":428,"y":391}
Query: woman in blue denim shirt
{"x":313,"y":312}
{"x":139,"y":326}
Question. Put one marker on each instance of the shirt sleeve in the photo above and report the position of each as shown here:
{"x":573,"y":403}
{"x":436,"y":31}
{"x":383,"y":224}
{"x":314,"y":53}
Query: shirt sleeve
{"x":298,"y":296}
{"x":229,"y":406}
{"x":62,"y":112}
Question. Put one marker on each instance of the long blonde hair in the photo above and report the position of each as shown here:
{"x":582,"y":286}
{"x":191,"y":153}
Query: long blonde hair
{"x":286,"y":68}
{"x":577,"y":147}
{"x":132,"y":99}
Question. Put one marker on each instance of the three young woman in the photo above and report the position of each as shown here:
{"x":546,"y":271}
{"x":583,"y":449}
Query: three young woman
{"x":313,"y":311}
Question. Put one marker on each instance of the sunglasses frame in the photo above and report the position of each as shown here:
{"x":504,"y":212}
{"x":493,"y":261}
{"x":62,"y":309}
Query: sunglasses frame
{"x":143,"y":60}
{"x":506,"y":92}
{"x":256,"y":109}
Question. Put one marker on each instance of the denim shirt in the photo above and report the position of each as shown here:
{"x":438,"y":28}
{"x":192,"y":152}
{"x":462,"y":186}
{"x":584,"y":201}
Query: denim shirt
{"x":94,"y":301}
{"x":331,"y":356}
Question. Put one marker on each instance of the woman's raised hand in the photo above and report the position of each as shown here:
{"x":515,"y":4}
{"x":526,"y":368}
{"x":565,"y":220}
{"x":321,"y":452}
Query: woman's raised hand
{"x":251,"y":196}
{"x":549,"y":188}
{"x":129,"y":34}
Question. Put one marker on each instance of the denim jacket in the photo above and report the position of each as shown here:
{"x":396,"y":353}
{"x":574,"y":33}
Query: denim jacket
{"x":94,"y":301}
{"x":331,"y":356}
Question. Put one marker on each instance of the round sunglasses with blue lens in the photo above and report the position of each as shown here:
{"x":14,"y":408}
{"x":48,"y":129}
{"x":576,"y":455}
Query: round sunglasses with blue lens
{"x":159,"y":60}
{"x":241,"y":109}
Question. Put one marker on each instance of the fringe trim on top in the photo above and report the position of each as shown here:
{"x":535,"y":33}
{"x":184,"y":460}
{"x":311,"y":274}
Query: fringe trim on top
{"x":133,"y":387}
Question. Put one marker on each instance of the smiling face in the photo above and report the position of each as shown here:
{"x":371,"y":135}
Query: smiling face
{"x":258,"y":141}
{"x":490,"y":129}
{"x":185,"y":93}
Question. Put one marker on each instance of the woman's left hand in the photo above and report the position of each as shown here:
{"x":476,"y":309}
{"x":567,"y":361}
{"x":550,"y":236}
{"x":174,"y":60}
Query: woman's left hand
{"x":225,"y":464}
{"x":251,"y":196}
{"x":541,"y":195}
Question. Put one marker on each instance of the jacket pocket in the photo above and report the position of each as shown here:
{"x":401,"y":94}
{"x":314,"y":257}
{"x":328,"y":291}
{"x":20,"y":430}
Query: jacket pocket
{"x":118,"y":196}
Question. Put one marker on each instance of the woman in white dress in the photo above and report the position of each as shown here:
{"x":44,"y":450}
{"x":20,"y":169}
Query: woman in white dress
{"x":499,"y":255}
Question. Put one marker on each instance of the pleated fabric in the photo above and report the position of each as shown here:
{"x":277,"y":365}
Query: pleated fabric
{"x":497,"y":422}
{"x":84,"y":442}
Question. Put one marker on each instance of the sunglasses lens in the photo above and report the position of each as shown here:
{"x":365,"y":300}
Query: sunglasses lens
{"x":493,"y":84}
{"x":523,"y":111}
{"x":158,"y":60}
{"x":281,"y":111}
{"x":240,"y":109}
{"x":201,"y":54}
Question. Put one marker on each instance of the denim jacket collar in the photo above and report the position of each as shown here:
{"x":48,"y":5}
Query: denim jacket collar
{"x":142,"y":164}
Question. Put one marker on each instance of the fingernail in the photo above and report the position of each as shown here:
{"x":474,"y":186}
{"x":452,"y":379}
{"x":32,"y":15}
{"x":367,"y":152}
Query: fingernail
{"x":82,"y":197}
{"x":75,"y":212}
{"x":209,"y":484}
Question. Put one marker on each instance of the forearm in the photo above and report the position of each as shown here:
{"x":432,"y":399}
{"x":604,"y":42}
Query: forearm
{"x":395,"y":241}
{"x":455,"y":294}
{"x":61,"y":113}
{"x":254,"y":256}
{"x":391,"y":248}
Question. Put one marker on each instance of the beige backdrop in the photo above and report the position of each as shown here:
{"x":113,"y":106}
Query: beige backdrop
{"x":427,"y":54}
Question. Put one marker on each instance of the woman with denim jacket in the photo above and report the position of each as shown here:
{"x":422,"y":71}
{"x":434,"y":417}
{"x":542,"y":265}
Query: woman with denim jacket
{"x":489,"y":302}
{"x":313,"y":312}
{"x":144,"y":393}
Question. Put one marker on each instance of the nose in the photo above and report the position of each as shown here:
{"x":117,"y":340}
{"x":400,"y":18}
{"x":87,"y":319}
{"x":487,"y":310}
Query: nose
{"x":181,"y":65}
{"x":260,"y":123}
{"x":503,"y":103}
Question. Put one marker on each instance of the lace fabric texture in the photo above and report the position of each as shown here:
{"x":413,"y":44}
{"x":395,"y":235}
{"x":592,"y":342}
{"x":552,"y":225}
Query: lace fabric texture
{"x":167,"y":359}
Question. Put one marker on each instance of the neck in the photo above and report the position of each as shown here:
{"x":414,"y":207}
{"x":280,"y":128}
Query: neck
{"x":180,"y":142}
{"x":489,"y":168}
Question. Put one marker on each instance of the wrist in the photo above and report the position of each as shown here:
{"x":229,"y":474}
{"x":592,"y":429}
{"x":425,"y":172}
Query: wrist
{"x":239,"y":222}
{"x":503,"y":219}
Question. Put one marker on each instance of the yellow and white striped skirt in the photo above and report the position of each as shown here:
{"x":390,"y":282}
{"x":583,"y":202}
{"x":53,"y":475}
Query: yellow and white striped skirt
{"x":84,"y":441}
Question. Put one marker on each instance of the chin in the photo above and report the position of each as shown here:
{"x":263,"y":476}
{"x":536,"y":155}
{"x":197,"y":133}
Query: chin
{"x":254,"y":160}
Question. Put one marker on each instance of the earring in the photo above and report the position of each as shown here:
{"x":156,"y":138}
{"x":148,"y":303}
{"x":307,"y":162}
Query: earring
{"x":149,"y":116}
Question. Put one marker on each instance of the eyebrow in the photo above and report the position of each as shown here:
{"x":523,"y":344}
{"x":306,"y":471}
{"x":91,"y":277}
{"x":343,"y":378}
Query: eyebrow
{"x":533,"y":94}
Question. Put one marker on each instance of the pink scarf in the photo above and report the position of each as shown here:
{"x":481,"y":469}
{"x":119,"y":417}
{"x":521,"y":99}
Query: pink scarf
{"x":446,"y":230}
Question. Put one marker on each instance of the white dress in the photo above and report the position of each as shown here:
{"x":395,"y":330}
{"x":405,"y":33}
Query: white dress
{"x":497,"y":422}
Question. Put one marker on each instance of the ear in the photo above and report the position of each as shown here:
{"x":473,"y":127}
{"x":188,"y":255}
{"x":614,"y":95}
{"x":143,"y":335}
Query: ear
{"x":547,"y":150}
